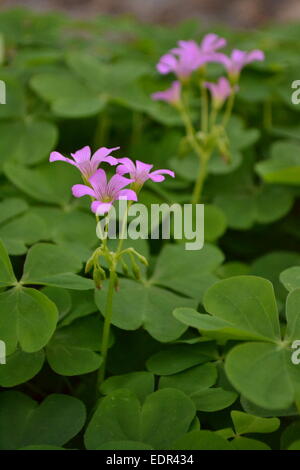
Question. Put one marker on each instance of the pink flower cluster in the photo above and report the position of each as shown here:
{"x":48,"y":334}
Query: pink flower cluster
{"x":103,"y":192}
{"x":190,"y":56}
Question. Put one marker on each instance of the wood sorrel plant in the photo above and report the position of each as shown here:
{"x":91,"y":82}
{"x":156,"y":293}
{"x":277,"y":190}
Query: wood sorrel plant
{"x":191,"y":58}
{"x":103,"y":194}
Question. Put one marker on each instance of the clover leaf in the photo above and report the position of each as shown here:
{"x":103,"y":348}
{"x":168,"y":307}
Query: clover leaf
{"x":164,"y":417}
{"x":24,"y":422}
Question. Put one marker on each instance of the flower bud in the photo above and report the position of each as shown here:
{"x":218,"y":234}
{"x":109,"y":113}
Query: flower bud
{"x":99,"y":276}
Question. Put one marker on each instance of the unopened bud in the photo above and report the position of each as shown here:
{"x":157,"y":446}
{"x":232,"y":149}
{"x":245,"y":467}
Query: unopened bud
{"x":99,"y":276}
{"x":89,"y":264}
{"x":136,"y":271}
{"x":125,"y":269}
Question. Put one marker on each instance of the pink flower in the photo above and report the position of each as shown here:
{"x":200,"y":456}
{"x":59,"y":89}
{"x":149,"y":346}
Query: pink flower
{"x":86,"y":164}
{"x":182,"y":60}
{"x":105,"y":192}
{"x":212,"y":42}
{"x":238,"y":60}
{"x":190,"y":56}
{"x":140,"y":172}
{"x":171,"y":95}
{"x":219,"y":91}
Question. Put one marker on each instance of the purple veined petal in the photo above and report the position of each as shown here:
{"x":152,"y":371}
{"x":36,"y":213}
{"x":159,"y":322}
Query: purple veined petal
{"x":128,"y":194}
{"x":171,"y":95}
{"x":207,"y":41}
{"x":82,"y":155}
{"x":102,"y":154}
{"x":238,"y":56}
{"x":80,"y":190}
{"x":111,"y":160}
{"x":156,"y":178}
{"x":160,"y":96}
{"x":56,"y":156}
{"x":222,"y":59}
{"x":256,"y":54}
{"x":142,"y":167}
{"x":99,"y":182}
{"x":157,"y":175}
{"x":224,"y":87}
{"x":186,"y":48}
{"x":127,"y":166}
{"x":116,"y":183}
{"x":101,"y":208}
{"x":122,"y":170}
{"x":167,"y":64}
{"x":211,"y":42}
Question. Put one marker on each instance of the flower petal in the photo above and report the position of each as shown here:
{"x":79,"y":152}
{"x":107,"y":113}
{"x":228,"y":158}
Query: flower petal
{"x":167,"y":64}
{"x":102,"y":155}
{"x":157,"y":176}
{"x":256,"y":54}
{"x":55,"y":156}
{"x":101,"y":208}
{"x":142,"y":167}
{"x":116,"y":183}
{"x":82,"y":155}
{"x":171,"y":95}
{"x":99,"y":182}
{"x":127,"y":166}
{"x":80,"y":190}
{"x":211,"y":42}
{"x":128,"y":194}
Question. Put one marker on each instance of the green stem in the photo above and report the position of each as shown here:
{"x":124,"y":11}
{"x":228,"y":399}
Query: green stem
{"x":203,"y":157}
{"x":213,"y":117}
{"x":200,"y":181}
{"x":228,"y":110}
{"x":107,"y":323}
{"x":204,"y":108}
{"x":190,"y":130}
{"x":121,"y":239}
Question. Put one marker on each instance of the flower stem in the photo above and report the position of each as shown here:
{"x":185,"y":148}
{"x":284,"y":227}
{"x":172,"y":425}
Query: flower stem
{"x":124,"y":224}
{"x":190,"y":131}
{"x":213,"y":117}
{"x":107,"y":323}
{"x":200,"y":181}
{"x":204,"y":108}
{"x":228,"y":109}
{"x":203,"y":157}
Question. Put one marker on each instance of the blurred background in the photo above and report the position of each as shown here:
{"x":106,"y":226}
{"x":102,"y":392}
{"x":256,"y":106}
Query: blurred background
{"x":240,"y":13}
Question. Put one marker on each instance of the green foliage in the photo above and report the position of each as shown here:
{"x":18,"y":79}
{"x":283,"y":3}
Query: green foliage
{"x":201,"y":345}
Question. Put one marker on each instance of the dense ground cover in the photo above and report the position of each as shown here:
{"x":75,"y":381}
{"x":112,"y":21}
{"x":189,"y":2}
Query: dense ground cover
{"x":202,"y":341}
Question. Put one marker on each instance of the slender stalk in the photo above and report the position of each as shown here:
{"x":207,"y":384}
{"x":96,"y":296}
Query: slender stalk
{"x":203,"y":157}
{"x":199,"y":182}
{"x":190,"y":130}
{"x":107,"y":323}
{"x":124,"y":224}
{"x":204,"y":108}
{"x":213,"y":117}
{"x":109,"y":299}
{"x":228,"y":109}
